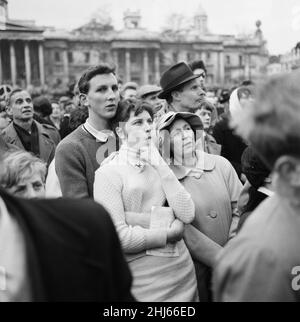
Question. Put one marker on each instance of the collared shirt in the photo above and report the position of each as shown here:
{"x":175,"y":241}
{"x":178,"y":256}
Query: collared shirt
{"x":14,"y":281}
{"x":100,"y":136}
{"x":203,"y":164}
{"x":30,"y":140}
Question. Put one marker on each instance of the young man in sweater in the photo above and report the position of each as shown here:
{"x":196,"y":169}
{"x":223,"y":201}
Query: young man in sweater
{"x":80,"y":154}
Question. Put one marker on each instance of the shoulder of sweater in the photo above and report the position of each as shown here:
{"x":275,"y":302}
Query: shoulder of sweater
{"x":76,"y":137}
{"x":113,"y":171}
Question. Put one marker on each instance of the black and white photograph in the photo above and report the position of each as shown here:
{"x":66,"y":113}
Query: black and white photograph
{"x":149,"y":153}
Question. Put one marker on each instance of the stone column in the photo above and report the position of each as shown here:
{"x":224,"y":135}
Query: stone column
{"x":146,"y":67}
{"x":198,"y":55}
{"x":157,"y":67}
{"x":247,"y":67}
{"x":115,"y":58}
{"x":41,"y":64}
{"x":27,"y":63}
{"x":1,"y":71}
{"x":13,"y":65}
{"x":203,"y":57}
{"x":127,"y":66}
{"x":66,"y":65}
{"x":221,"y":68}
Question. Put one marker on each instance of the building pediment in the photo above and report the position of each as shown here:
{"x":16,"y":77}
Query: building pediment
{"x":10,"y":25}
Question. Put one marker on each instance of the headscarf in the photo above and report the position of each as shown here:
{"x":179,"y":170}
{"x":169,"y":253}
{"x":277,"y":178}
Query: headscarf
{"x":235,"y":108}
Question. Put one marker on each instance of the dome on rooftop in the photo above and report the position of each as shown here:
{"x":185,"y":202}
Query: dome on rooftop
{"x":200,"y":11}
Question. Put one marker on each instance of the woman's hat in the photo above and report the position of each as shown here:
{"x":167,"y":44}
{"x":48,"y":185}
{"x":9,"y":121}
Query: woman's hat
{"x":168,"y":119}
{"x":174,"y":77}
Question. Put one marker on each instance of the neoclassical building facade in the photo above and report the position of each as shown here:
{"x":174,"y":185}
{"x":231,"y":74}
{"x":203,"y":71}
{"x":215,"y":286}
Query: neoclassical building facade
{"x":21,"y":51}
{"x":37,"y":56}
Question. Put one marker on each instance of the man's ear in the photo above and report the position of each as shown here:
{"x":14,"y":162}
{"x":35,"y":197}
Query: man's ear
{"x":83,"y":100}
{"x":9,"y":110}
{"x":288,"y":168}
{"x":176,"y":95}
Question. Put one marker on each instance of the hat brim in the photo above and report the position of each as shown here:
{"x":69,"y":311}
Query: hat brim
{"x":193,"y":119}
{"x":142,"y":95}
{"x":164,"y":93}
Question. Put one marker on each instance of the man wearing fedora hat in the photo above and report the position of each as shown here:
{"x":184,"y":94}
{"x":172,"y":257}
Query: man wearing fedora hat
{"x":181,"y":89}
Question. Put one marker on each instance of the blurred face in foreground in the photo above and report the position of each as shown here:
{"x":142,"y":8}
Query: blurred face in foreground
{"x":29,"y":186}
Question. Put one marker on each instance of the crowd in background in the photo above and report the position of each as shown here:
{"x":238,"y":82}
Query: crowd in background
{"x":201,"y":185}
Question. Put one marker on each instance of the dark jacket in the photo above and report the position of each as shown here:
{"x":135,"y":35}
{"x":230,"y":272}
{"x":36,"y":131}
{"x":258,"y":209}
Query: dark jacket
{"x":48,"y":139}
{"x":4,"y":147}
{"x":73,"y":252}
{"x":232,"y":145}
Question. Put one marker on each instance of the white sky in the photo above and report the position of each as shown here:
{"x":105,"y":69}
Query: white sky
{"x":280,"y":18}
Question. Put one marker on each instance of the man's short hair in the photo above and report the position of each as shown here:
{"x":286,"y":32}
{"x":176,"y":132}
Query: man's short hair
{"x":273,"y":124}
{"x":12,"y":93}
{"x":84,"y":81}
{"x":14,"y":165}
{"x":126,"y":107}
{"x":42,"y":105}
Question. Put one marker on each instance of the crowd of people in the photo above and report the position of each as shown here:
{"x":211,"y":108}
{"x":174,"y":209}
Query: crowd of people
{"x":153,"y":193}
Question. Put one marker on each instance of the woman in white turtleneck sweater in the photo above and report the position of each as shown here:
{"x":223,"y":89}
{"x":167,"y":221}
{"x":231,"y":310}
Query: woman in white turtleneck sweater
{"x":136,"y":191}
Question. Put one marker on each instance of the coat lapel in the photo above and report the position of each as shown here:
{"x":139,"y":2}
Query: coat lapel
{"x":12,"y":137}
{"x":46,"y":145}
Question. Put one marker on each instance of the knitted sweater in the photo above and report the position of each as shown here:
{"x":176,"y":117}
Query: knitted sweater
{"x":77,"y":158}
{"x":121,"y":187}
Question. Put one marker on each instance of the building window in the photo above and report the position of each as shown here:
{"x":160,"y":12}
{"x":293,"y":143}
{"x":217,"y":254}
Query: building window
{"x":228,"y":61}
{"x":241,"y":60}
{"x":208,"y":56}
{"x":189,"y":57}
{"x":133,"y":56}
{"x":57,"y":56}
{"x":87,"y":57}
{"x":175,"y":57}
{"x":70,"y":57}
{"x":103,"y":57}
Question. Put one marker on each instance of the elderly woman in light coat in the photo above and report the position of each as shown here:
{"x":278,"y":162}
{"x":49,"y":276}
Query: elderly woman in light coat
{"x":214,"y":186}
